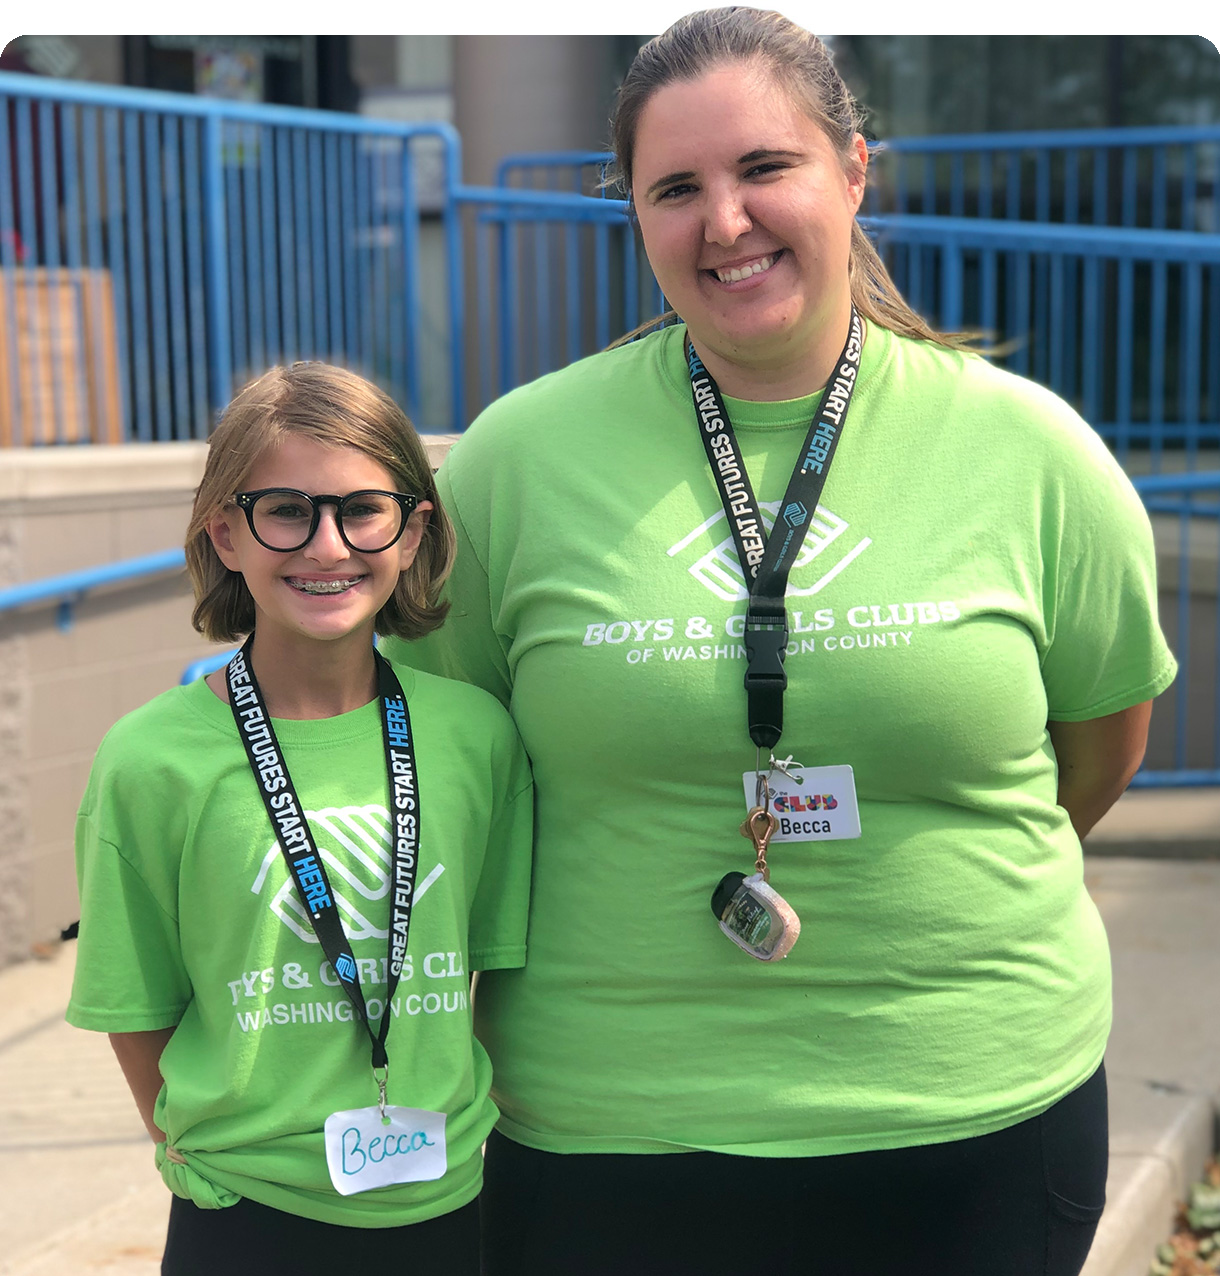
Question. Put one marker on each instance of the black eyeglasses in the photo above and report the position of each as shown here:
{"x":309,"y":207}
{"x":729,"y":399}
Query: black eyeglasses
{"x":285,"y":520}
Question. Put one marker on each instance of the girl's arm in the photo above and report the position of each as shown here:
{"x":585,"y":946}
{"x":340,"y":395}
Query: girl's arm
{"x":139,"y":1055}
{"x":1097,"y":759}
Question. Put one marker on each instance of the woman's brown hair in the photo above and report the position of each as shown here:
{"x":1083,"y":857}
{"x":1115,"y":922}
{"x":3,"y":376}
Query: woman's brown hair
{"x":802,"y":66}
{"x":336,"y":408}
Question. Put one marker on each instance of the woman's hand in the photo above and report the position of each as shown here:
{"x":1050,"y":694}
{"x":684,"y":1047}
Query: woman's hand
{"x":1097,"y":759}
{"x":139,"y":1055}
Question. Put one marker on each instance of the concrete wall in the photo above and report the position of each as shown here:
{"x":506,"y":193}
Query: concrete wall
{"x":529,"y":93}
{"x":60,"y":690}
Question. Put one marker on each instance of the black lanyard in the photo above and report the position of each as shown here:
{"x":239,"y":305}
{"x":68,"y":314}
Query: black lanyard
{"x":296,"y":839}
{"x":767,"y":560}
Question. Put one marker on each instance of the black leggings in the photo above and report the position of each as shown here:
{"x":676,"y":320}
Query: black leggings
{"x":1024,"y":1201}
{"x":248,"y":1239}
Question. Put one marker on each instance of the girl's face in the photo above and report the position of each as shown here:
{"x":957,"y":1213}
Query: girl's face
{"x":746,"y":211}
{"x":323,"y":591}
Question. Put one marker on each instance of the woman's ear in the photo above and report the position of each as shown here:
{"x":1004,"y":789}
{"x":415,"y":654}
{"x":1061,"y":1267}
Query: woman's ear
{"x":857,"y":168}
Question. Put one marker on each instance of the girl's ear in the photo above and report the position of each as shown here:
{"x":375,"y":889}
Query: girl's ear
{"x":220,"y":533}
{"x":408,"y":545}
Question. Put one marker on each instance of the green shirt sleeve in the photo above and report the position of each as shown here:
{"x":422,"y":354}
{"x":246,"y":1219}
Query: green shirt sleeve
{"x":1105,"y":651}
{"x":499,"y":911}
{"x":129,"y":975}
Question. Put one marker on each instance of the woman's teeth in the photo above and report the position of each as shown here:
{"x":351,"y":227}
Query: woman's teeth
{"x":736,"y":275}
{"x":324,"y":586}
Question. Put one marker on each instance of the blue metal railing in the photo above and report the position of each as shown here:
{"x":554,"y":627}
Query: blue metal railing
{"x":561,"y":276}
{"x":174,"y":245}
{"x":1156,"y":178}
{"x":1163,"y":178}
{"x":69,"y":588}
{"x":206,"y":240}
{"x":1123,"y":323}
{"x":1185,"y":745}
{"x":599,"y":283}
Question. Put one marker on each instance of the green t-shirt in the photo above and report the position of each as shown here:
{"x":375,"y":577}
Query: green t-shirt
{"x":979,"y":564}
{"x":190,"y":917}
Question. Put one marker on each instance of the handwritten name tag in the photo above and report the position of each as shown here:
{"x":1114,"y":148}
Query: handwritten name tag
{"x":362,"y":1152}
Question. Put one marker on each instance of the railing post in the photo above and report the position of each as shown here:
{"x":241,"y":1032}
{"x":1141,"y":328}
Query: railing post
{"x":457,"y":282}
{"x":411,"y":283}
{"x":951,"y":286}
{"x":215,"y":265}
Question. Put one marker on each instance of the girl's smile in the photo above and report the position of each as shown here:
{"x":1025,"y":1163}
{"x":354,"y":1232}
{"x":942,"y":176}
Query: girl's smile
{"x":324,"y":590}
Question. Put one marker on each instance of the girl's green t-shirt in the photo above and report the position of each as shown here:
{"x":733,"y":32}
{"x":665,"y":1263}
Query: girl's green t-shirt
{"x":190,"y":918}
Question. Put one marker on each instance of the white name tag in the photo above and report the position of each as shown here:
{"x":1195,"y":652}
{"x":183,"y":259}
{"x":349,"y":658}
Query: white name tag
{"x":812,"y":804}
{"x":363,"y":1153}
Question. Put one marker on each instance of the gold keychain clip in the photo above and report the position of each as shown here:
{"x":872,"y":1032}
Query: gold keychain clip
{"x":758,"y":826}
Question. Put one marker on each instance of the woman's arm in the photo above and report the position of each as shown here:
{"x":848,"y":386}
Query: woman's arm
{"x":1097,"y":759}
{"x":139,"y":1055}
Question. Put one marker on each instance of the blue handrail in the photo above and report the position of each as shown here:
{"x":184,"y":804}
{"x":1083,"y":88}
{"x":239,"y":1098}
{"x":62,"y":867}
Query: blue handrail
{"x":74,"y":584}
{"x":70,"y":587}
{"x":552,"y":159}
{"x":560,"y":205}
{"x":1048,"y":237}
{"x":1150,"y":484}
{"x":14,"y":84}
{"x":1058,"y":139}
{"x":205,"y":665}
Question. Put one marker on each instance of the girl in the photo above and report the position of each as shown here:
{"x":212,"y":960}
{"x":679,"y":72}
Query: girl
{"x":275,"y":933}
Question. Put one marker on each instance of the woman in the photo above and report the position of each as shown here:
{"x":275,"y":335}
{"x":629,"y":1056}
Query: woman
{"x":971,"y":650}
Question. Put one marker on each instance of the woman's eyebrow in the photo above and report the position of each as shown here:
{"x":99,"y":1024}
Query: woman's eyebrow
{"x":766,"y":152}
{"x":667,"y":179}
{"x":750,"y":157}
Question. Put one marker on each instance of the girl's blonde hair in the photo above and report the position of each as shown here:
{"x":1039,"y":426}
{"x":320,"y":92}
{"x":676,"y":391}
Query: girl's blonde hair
{"x":801,"y":65}
{"x":336,"y":408}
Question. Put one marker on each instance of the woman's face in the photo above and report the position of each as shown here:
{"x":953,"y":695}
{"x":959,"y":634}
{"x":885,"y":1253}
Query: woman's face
{"x":746,"y":213}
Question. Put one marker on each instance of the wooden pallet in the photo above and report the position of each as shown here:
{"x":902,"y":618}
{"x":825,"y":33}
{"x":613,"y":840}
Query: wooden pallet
{"x":59,"y":363}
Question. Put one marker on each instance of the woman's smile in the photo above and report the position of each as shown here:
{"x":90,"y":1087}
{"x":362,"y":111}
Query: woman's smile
{"x":745,"y":270}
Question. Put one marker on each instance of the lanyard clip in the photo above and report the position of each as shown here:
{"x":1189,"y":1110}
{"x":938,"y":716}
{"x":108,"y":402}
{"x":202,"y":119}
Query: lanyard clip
{"x":762,"y":790}
{"x":766,"y":642}
{"x":382,"y":1081}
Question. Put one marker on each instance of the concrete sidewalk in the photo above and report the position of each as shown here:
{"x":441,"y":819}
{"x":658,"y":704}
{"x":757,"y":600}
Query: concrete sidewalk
{"x":78,"y":1192}
{"x":1158,"y":823}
